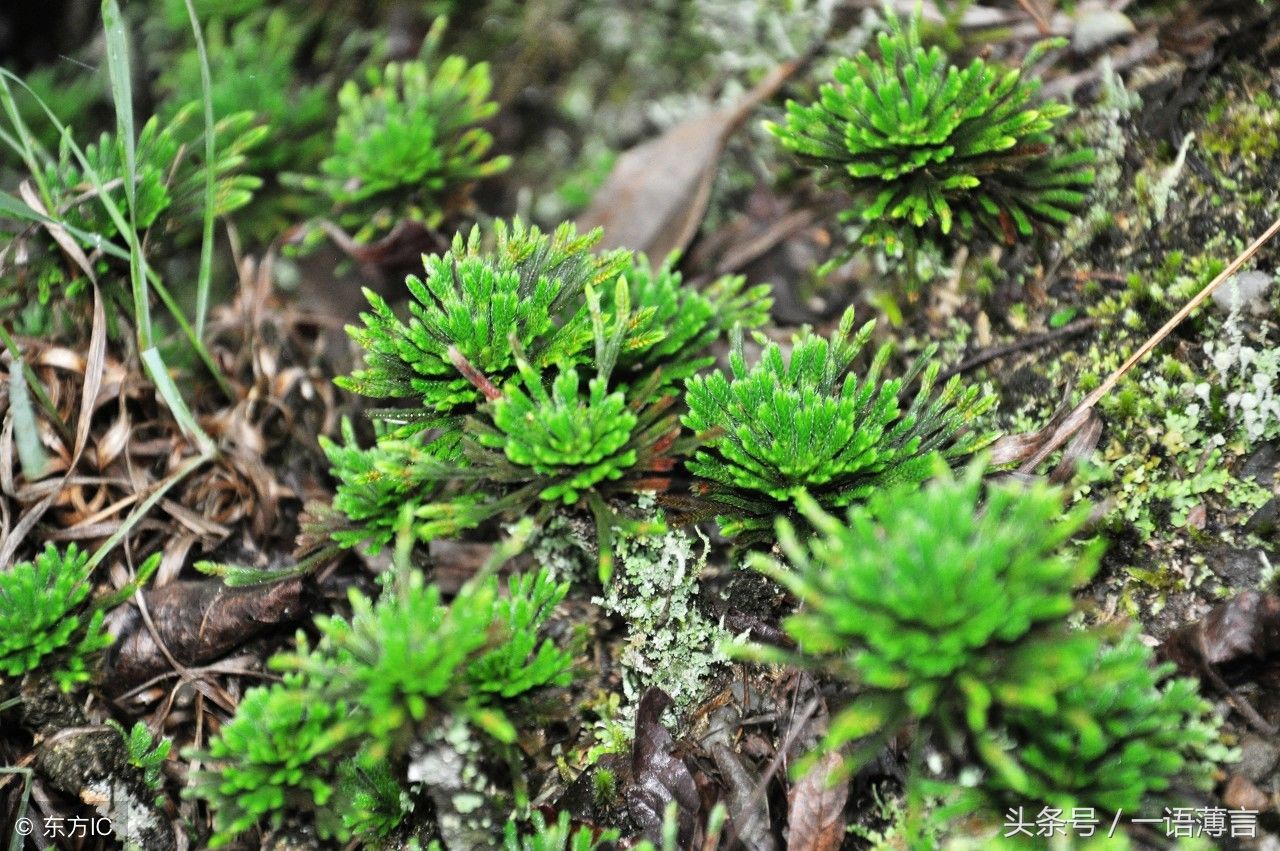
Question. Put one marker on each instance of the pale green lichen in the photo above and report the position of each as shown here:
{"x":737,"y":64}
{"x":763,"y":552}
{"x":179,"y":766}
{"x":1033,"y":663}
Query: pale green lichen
{"x":1155,"y":192}
{"x":1102,"y":127}
{"x":468,"y":804}
{"x":670,"y":642}
{"x":1165,"y":455}
{"x":1248,"y":378}
{"x":566,"y":546}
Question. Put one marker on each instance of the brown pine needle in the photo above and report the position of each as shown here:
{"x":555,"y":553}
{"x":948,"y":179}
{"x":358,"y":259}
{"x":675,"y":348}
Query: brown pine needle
{"x":1033,"y":9}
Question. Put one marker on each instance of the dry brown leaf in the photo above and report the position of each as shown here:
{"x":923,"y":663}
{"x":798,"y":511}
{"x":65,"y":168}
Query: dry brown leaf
{"x":657,"y":193}
{"x":1245,"y":628}
{"x":94,"y":366}
{"x":198,"y":622}
{"x":815,"y":808}
{"x":658,"y":775}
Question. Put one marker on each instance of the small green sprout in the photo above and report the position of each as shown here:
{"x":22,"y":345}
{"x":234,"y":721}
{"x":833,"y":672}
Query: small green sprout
{"x":557,"y":836}
{"x":146,"y":752}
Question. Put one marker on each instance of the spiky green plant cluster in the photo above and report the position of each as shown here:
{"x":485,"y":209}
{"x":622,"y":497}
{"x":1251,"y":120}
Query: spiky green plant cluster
{"x":171,"y":175}
{"x":931,"y":146}
{"x":675,"y":325}
{"x":535,"y":449}
{"x":930,"y":603}
{"x":545,"y":377}
{"x":526,"y":297}
{"x":573,"y":440}
{"x":375,"y":484}
{"x":43,"y":620}
{"x":368,"y":688}
{"x":530,"y":289}
{"x":273,"y":757}
{"x":1120,"y":736}
{"x":407,"y":140}
{"x":373,"y":801}
{"x":945,"y":607}
{"x":808,"y":423}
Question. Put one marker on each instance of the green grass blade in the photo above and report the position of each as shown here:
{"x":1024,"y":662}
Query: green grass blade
{"x":11,"y":205}
{"x":33,"y":384}
{"x":122,"y":96}
{"x":25,"y":143}
{"x":143,"y":508}
{"x":203,"y":353}
{"x":18,"y":207}
{"x":17,"y":842}
{"x":177,"y":405}
{"x":206,"y":243}
{"x":26,"y":431}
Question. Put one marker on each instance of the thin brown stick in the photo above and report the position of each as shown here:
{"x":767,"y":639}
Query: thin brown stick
{"x":475,"y":376}
{"x":988,"y":355}
{"x":1032,"y":9}
{"x":1078,"y":416}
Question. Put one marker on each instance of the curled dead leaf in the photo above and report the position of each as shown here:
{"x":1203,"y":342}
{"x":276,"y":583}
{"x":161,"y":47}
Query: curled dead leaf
{"x":197,"y":622}
{"x":658,"y":776}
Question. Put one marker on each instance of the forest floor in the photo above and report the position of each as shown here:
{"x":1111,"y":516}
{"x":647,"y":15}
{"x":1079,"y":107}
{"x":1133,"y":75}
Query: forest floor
{"x":1181,"y":106}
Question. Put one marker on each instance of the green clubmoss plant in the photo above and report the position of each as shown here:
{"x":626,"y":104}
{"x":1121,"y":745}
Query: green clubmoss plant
{"x":537,"y":449}
{"x":375,"y":483}
{"x":938,"y":606}
{"x":44,"y":622}
{"x":529,"y":288}
{"x":544,"y":376}
{"x":171,"y":175}
{"x":809,"y":423}
{"x":944,"y":608}
{"x":577,"y":441}
{"x":674,"y":324}
{"x":408,"y":140}
{"x":409,"y":657}
{"x":355,"y":700}
{"x":1123,"y":736}
{"x":931,"y":147}
{"x":373,"y":802}
{"x":276,"y":756}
